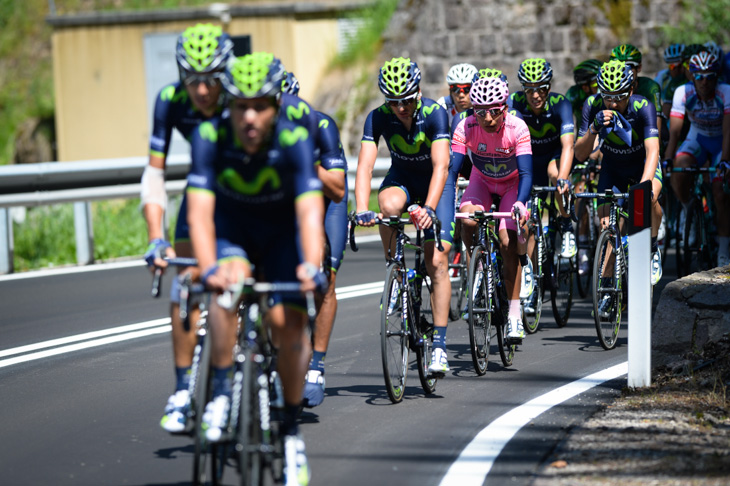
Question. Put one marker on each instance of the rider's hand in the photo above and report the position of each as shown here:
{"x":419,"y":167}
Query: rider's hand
{"x":365,"y":218}
{"x":427,"y":217}
{"x":312,"y":278}
{"x":602,"y":120}
{"x":563,"y":186}
{"x":522,"y":211}
{"x":157,"y":250}
{"x":213,"y":278}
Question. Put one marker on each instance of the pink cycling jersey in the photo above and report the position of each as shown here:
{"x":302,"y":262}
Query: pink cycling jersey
{"x":494,"y":158}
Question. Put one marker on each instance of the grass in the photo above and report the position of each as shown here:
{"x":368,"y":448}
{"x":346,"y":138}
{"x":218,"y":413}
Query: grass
{"x":365,"y":45}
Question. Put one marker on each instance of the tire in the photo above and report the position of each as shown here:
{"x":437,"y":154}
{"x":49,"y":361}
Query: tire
{"x":200,"y":397}
{"x":393,"y":337}
{"x":506,"y":349}
{"x":678,"y":241}
{"x":692,"y":255}
{"x":583,"y":281}
{"x":479,"y":305}
{"x":458,"y":277}
{"x":607,"y":329}
{"x":249,"y":446}
{"x":424,"y":346}
{"x":531,"y":322}
{"x":561,"y":289}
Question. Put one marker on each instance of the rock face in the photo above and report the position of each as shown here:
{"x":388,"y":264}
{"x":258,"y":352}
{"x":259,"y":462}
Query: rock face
{"x":692,"y":311}
{"x":501,"y":34}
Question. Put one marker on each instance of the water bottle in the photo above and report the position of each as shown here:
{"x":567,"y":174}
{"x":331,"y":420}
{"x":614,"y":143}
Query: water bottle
{"x":411,"y":275}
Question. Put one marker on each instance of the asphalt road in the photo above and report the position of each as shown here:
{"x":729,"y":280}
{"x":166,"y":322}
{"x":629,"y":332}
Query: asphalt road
{"x":90,"y":416}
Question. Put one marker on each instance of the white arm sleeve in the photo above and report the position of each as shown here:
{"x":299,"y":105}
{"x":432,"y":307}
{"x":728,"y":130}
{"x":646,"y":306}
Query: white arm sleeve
{"x":153,"y":187}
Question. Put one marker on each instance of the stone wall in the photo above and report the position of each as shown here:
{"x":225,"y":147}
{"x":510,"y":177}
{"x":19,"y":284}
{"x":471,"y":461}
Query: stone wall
{"x":501,"y":34}
{"x":692,"y":311}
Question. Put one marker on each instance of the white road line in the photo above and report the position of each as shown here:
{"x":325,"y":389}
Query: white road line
{"x":476,"y":460}
{"x":85,"y":345}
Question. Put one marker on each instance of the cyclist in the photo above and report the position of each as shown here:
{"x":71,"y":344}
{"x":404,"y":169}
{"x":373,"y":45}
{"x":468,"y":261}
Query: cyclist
{"x":459,"y":79}
{"x":707,"y":105}
{"x":201,"y":54}
{"x":247,"y":171}
{"x":502,"y":155}
{"x":331,"y":167}
{"x":672,"y":77}
{"x":584,"y":75}
{"x":416,"y":131}
{"x":626,"y":124}
{"x":643,"y":86}
{"x":549,"y":118}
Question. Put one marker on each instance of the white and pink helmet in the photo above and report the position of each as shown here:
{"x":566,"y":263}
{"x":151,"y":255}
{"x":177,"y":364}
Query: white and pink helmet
{"x":488,"y":91}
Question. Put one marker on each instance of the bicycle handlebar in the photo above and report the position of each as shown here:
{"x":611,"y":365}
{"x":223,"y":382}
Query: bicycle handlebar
{"x":394,"y":221}
{"x":175,"y":262}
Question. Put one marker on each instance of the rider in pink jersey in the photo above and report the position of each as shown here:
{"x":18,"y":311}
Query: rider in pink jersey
{"x":501,"y":154}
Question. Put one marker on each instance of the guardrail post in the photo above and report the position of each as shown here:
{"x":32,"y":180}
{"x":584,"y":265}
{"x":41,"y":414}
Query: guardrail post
{"x":639,"y":276}
{"x":84,"y":233}
{"x":6,"y":242}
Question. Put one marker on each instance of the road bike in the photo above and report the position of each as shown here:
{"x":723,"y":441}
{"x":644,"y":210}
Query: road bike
{"x":457,"y":261}
{"x":406,"y":315}
{"x":586,"y":219}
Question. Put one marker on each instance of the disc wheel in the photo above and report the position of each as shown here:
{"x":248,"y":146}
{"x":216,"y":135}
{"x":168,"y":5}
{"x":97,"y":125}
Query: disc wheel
{"x":393,"y":335}
{"x":478,"y":307}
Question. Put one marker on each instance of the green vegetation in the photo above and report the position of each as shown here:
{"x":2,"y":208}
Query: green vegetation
{"x":618,"y":14}
{"x":366,"y":43}
{"x":701,"y":22}
{"x":46,"y":238}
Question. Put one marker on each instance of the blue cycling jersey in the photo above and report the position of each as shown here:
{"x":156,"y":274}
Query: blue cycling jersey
{"x":409,"y":150}
{"x":547,"y":127}
{"x":173,"y":109}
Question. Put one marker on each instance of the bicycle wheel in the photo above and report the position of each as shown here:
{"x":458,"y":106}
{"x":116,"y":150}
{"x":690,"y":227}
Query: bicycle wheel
{"x":424,"y":335}
{"x":693,"y":246}
{"x":506,"y":348}
{"x":586,"y":249}
{"x":394,"y":335}
{"x":200,"y":387}
{"x":561,"y":288}
{"x":249,"y":446}
{"x":531,"y":319}
{"x":478,"y":305}
{"x":608,"y":324}
{"x":458,"y":277}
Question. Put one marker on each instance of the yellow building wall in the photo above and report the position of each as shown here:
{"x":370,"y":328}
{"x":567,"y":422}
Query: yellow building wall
{"x":100,"y":85}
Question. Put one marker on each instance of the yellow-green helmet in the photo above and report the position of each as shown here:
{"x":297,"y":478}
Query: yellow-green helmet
{"x":535,"y":70}
{"x":627,"y":53}
{"x":615,"y":77}
{"x":203,"y":48}
{"x":398,"y":77}
{"x":254,"y":76}
{"x":490,"y":73}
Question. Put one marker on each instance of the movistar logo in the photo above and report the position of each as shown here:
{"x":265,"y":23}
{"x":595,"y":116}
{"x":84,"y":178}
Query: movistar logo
{"x":398,"y":142}
{"x":427,"y":110}
{"x":207,"y":132}
{"x":616,"y":140}
{"x":554,"y":100}
{"x":547,"y":128}
{"x":168,"y":94}
{"x":297,"y":113}
{"x":384,"y":109}
{"x":233,"y":179}
{"x":495,"y":168}
{"x":287,"y":138}
{"x":519,"y":97}
{"x":324,"y":123}
{"x":640,"y":104}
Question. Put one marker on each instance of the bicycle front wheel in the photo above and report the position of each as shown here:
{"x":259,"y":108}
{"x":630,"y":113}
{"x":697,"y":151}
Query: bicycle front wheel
{"x":394,"y":334}
{"x":532,"y":305}
{"x":249,"y":446}
{"x":424,"y":336}
{"x":200,"y":394}
{"x":561,"y":290}
{"x":458,"y":277}
{"x":478,"y":307}
{"x":501,"y":308}
{"x":608,"y":296}
{"x":586,"y":248}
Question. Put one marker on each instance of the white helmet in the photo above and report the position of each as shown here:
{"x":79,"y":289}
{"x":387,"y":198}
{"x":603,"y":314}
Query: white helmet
{"x":461,"y":74}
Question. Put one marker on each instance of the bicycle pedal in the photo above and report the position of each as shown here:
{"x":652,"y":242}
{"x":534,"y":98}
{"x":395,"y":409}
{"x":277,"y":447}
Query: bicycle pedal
{"x":436,"y":375}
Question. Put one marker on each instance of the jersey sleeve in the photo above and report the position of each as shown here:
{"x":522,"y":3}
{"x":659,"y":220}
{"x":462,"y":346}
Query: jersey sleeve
{"x":587,"y":115}
{"x":565,"y":111}
{"x":437,"y":122}
{"x":161,"y":127}
{"x":724,"y":89}
{"x":678,"y":108}
{"x":372,"y":130}
{"x":648,"y":116}
{"x":204,"y":150}
{"x":298,"y":145}
{"x":523,"y":141}
{"x":458,"y":140}
{"x":331,"y":155}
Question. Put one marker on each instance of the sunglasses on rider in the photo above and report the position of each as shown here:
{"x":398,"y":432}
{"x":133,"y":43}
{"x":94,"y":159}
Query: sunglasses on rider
{"x":209,"y":80}
{"x":673,"y":65}
{"x":493,"y":112}
{"x":541,"y":90}
{"x":615,"y":98}
{"x":706,"y":76}
{"x":460,"y":88}
{"x":407,"y":101}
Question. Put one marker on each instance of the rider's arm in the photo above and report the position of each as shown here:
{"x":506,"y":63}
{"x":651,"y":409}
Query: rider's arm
{"x":524,"y":167}
{"x":440,"y":160}
{"x":586,"y":134}
{"x":676,"y":121}
{"x":365,"y":164}
{"x":726,"y":137}
{"x":652,"y":158}
{"x":332,"y":167}
{"x":567,"y":139}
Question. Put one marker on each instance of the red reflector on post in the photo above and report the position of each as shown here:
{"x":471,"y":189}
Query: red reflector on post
{"x":639,"y":209}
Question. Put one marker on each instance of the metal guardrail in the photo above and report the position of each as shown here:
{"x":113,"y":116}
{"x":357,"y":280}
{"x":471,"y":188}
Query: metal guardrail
{"x":80,"y":183}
